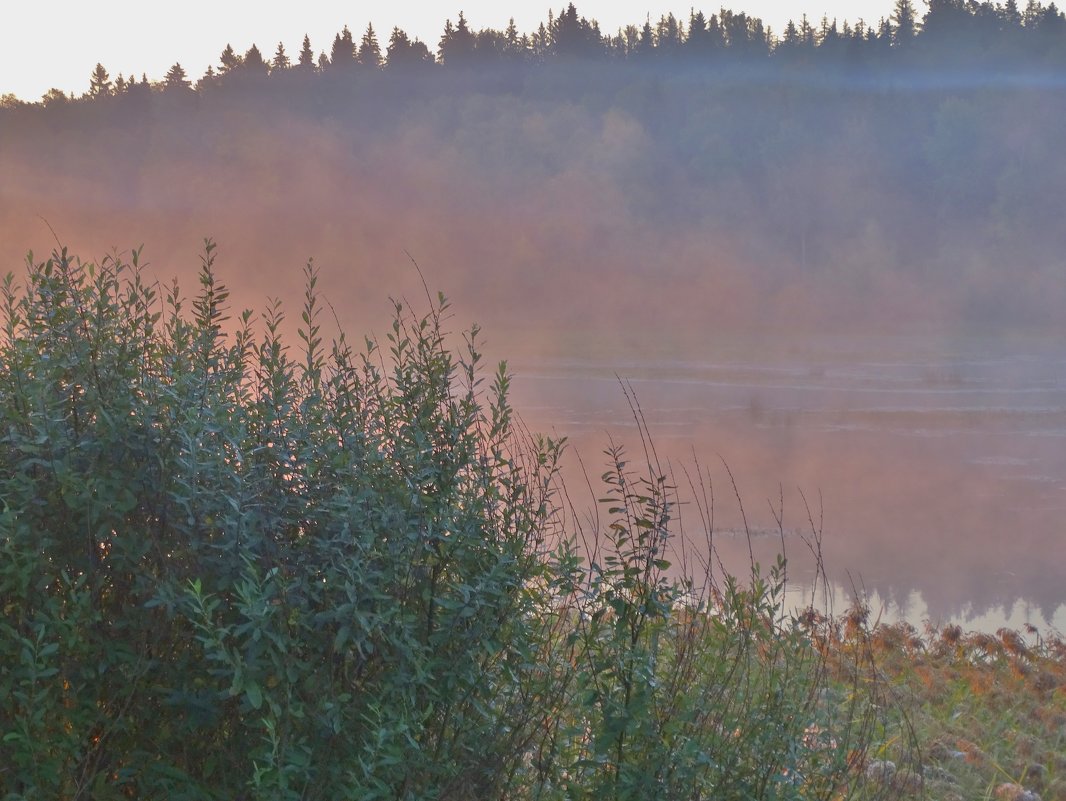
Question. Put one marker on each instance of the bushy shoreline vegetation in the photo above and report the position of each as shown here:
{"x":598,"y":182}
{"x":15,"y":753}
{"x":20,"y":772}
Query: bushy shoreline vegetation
{"x":231,"y":568}
{"x":232,"y":571}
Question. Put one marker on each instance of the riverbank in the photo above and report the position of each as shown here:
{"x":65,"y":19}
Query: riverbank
{"x":985,"y":714}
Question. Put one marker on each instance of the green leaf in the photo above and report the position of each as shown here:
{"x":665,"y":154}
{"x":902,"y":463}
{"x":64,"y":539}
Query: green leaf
{"x":254,"y":694}
{"x":342,"y":637}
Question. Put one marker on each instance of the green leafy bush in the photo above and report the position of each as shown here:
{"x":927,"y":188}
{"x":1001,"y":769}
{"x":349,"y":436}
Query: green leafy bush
{"x":228,"y":572}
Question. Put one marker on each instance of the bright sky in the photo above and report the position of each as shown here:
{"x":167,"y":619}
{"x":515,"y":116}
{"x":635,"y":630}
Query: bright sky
{"x":56,"y":43}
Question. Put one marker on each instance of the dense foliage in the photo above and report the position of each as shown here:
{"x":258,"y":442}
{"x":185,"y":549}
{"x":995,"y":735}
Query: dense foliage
{"x":227,"y":571}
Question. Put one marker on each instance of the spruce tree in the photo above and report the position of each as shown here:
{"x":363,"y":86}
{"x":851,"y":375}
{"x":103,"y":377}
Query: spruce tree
{"x":403,"y":53}
{"x":904,"y":18}
{"x":281,"y":60}
{"x":176,"y":79}
{"x":457,"y":43}
{"x":209,"y":79}
{"x":99,"y":82}
{"x":698,"y":41}
{"x":307,"y":56}
{"x":511,"y":34}
{"x":254,"y":62}
{"x":229,"y":61}
{"x":646,"y":43}
{"x":369,"y":51}
{"x":342,"y":55}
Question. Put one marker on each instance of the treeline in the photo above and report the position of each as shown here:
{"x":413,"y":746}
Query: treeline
{"x":952,"y":33}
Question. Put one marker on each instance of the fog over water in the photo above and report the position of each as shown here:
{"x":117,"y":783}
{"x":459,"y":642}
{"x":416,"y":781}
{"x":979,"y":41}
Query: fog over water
{"x":937,"y":476}
{"x":853,"y":288}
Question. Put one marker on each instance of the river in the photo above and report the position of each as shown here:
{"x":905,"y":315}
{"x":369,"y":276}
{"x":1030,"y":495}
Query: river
{"x":934,"y":469}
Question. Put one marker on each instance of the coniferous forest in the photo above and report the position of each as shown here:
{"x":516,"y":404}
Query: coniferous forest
{"x":244,"y":555}
{"x":950,"y":35}
{"x":903,"y":163}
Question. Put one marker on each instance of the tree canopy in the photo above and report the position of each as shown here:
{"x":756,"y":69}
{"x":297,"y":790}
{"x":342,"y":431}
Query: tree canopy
{"x":950,"y":34}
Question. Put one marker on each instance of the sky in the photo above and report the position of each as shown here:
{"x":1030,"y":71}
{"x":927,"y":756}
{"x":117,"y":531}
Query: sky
{"x":56,"y":44}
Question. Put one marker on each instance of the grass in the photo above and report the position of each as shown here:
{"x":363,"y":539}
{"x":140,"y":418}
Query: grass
{"x":987,"y":713}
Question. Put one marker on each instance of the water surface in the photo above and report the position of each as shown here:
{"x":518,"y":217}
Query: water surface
{"x":935,"y":470}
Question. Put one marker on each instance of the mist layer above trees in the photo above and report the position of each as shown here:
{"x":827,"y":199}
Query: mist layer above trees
{"x":906,"y":172}
{"x":747,"y":194}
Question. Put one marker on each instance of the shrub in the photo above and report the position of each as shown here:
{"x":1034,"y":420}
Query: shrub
{"x":231,"y":572}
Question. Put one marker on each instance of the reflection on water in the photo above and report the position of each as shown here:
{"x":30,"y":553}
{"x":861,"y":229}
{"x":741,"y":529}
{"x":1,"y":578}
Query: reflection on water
{"x":941,"y":469}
